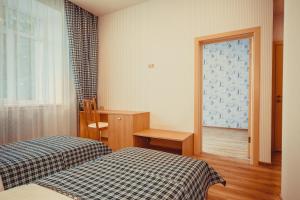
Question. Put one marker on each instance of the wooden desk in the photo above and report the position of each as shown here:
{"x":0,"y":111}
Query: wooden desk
{"x":170,"y":139}
{"x":121,"y":126}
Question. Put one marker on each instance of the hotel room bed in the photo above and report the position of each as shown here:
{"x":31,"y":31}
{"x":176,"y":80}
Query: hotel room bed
{"x":27,"y":161}
{"x":132,"y":173}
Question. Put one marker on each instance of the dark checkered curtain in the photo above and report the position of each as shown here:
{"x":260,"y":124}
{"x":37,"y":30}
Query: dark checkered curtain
{"x":83,"y":44}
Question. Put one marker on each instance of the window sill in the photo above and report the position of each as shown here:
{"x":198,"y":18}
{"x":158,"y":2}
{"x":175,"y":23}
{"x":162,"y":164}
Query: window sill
{"x":29,"y":106}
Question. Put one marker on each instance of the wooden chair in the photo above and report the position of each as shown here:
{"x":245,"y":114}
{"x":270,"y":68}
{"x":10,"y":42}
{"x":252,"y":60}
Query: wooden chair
{"x":92,"y":119}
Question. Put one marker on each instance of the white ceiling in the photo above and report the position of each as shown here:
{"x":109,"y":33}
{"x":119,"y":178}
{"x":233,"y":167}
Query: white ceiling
{"x":102,"y":7}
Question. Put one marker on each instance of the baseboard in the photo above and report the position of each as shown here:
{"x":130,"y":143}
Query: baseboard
{"x":264,"y":164}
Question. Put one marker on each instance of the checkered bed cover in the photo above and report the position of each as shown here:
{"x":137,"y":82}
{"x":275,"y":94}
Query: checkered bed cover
{"x":27,"y":161}
{"x":136,"y":173}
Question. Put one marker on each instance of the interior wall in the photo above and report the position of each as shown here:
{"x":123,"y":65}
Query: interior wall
{"x":162,"y":32}
{"x":291,"y":102}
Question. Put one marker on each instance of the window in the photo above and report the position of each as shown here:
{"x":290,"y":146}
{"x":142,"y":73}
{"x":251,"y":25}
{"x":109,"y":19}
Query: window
{"x":31,"y":52}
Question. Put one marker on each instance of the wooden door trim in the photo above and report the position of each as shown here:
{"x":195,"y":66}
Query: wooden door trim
{"x":254,"y":72}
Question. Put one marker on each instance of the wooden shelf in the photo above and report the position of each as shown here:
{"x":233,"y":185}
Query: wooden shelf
{"x":162,"y":139}
{"x":164,"y":134}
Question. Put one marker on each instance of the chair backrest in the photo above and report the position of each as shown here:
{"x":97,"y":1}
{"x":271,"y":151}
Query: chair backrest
{"x":90,"y":111}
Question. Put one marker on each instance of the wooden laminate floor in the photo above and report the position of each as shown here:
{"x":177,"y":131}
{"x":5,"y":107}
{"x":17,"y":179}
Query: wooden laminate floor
{"x":225,"y":142}
{"x":245,"y":182}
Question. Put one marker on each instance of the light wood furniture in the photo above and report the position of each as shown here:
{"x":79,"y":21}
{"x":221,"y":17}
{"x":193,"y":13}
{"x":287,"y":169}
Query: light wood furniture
{"x":122,"y":125}
{"x":91,"y":120}
{"x":254,"y":86}
{"x":170,"y":139}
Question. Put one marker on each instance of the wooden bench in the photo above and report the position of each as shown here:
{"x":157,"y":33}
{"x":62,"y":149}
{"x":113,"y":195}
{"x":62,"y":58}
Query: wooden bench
{"x":182,"y":141}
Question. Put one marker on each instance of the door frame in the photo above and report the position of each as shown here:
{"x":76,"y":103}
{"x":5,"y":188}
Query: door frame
{"x":254,"y":86}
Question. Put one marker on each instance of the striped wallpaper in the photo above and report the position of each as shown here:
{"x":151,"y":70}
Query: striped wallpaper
{"x":162,"y":32}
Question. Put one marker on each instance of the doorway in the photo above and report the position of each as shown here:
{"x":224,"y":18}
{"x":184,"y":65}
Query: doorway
{"x":226,"y":98}
{"x":253,"y":34}
{"x":277,"y":95}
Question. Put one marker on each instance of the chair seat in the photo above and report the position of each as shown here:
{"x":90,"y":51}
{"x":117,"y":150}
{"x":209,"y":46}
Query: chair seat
{"x":100,"y":125}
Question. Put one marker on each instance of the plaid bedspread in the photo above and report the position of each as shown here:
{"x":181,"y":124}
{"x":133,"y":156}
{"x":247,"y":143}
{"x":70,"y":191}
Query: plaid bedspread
{"x":136,"y":173}
{"x":27,"y":161}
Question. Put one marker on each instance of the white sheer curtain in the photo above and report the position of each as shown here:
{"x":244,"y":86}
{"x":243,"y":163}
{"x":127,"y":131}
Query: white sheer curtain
{"x":37,"y":97}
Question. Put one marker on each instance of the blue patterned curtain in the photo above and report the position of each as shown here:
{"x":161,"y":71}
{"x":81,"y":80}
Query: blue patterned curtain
{"x":83,"y":44}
